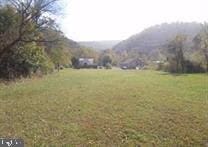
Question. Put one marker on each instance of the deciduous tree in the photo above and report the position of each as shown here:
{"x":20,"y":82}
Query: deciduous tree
{"x":175,"y":53}
{"x":25,"y":19}
{"x":201,"y":43}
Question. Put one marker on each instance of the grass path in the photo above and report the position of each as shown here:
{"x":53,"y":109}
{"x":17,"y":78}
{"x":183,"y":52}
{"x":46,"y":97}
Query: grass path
{"x":107,"y":108}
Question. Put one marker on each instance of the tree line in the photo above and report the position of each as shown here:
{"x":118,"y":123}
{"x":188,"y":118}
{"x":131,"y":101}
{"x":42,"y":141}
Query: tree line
{"x":195,"y":62}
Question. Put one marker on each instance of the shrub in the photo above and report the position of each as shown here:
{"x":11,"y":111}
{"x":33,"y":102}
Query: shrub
{"x":193,"y":67}
{"x":160,"y":66}
{"x":75,"y":62}
{"x":189,"y":67}
{"x":23,"y":61}
{"x":108,"y":66}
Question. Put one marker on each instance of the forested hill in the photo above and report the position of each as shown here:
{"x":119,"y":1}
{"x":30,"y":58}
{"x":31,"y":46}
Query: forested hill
{"x":155,"y":37}
{"x":72,"y":43}
{"x":99,"y":45}
{"x":64,"y":49}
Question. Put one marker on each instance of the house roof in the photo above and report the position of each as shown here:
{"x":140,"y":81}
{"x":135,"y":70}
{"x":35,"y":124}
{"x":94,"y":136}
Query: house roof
{"x":84,"y":59}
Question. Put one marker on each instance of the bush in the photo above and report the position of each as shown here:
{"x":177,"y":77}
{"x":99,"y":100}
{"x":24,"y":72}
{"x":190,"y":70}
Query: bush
{"x":24,"y":61}
{"x":192,"y":67}
{"x":189,"y":67}
{"x":160,"y":66}
{"x":75,"y":62}
{"x":108,"y":66}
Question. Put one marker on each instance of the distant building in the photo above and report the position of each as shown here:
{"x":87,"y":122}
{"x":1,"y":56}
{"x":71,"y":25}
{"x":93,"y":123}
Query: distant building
{"x":157,"y":62}
{"x":87,"y":63}
{"x":132,"y":64}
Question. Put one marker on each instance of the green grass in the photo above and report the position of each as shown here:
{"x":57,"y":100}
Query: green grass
{"x":107,"y":108}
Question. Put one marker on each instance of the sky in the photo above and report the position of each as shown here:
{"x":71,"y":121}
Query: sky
{"x":93,"y":20}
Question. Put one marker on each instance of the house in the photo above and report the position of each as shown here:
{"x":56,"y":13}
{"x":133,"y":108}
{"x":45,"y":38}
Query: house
{"x":87,"y":63}
{"x":157,"y":62}
{"x":132,"y":64}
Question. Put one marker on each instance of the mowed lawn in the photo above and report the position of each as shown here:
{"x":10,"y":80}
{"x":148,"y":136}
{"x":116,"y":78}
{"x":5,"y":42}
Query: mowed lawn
{"x":107,"y":108}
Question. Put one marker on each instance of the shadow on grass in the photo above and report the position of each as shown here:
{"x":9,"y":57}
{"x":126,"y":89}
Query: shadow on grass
{"x":175,"y":74}
{"x":180,"y":74}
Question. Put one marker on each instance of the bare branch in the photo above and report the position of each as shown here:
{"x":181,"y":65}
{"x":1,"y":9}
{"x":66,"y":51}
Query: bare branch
{"x":30,"y":13}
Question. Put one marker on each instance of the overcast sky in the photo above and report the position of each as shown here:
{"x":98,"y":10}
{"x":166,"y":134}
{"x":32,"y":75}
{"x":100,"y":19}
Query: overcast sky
{"x":87,"y":20}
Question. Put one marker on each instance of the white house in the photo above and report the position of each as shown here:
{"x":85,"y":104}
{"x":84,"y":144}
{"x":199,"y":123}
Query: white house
{"x":86,"y":62}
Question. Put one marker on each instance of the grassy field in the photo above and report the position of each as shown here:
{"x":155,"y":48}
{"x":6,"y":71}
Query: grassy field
{"x":107,"y":108}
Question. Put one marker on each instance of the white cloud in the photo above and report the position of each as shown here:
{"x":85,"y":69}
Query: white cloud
{"x":118,"y":19}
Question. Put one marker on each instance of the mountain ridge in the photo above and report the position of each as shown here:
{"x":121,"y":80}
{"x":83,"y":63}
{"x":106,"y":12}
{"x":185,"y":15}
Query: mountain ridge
{"x":154,"y":38}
